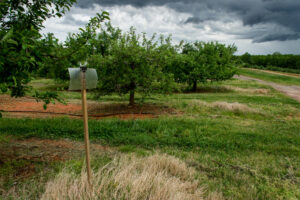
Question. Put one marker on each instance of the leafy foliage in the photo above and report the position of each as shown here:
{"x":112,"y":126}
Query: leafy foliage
{"x":20,"y":23}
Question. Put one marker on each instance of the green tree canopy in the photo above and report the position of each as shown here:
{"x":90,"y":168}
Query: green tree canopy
{"x":132,"y":64}
{"x":201,"y":61}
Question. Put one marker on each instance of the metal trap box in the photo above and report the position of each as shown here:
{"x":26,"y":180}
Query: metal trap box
{"x":75,"y":78}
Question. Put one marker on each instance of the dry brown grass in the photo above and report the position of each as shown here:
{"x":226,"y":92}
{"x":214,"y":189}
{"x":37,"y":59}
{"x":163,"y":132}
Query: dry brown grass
{"x":249,"y":90}
{"x":235,"y":107}
{"x":157,"y":177}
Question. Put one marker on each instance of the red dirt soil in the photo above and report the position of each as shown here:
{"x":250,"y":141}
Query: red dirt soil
{"x":28,"y":107}
{"x":34,"y":151}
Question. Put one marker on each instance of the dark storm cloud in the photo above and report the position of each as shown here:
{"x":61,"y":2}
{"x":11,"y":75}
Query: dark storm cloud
{"x":278,"y":37}
{"x":284,"y":14}
{"x":136,"y":3}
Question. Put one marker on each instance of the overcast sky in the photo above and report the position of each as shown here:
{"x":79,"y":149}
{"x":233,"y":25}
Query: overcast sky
{"x":254,"y":26}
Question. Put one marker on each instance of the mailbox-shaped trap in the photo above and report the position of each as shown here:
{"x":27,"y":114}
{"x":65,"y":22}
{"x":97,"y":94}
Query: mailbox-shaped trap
{"x":91,"y":78}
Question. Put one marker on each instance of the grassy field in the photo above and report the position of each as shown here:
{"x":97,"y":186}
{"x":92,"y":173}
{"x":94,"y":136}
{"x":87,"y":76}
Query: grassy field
{"x":240,"y":139}
{"x":280,"y":79}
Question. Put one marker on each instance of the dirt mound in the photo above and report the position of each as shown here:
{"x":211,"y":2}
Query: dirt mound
{"x":28,"y":107}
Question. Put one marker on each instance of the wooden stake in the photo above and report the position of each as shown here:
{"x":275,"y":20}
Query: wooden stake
{"x":85,"y":121}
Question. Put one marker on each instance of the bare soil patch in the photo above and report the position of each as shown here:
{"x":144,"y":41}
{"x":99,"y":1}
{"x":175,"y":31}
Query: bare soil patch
{"x":28,"y":107}
{"x":23,"y":156}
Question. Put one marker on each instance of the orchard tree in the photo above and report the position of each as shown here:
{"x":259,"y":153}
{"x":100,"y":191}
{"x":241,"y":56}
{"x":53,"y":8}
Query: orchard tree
{"x":194,"y":63}
{"x":217,"y":59}
{"x":131,"y":65}
{"x":181,"y":67}
{"x":200,"y":62}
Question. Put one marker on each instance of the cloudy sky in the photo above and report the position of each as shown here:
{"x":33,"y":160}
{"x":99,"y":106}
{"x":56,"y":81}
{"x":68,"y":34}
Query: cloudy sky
{"x":254,"y":26}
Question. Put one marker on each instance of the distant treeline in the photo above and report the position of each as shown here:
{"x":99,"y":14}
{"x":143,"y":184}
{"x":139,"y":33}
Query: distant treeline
{"x":275,"y":61}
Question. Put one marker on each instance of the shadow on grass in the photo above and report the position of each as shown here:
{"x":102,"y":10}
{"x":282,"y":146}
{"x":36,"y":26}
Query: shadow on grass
{"x":210,"y":89}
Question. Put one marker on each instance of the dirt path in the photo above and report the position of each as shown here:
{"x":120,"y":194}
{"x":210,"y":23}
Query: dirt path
{"x":291,"y":90}
{"x":277,"y":73}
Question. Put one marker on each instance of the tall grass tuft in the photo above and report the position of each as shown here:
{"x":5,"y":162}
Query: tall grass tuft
{"x":129,"y":177}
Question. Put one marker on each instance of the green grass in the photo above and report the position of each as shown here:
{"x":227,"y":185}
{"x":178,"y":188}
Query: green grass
{"x":243,"y":154}
{"x":272,"y":136}
{"x":269,"y":147}
{"x":280,"y":79}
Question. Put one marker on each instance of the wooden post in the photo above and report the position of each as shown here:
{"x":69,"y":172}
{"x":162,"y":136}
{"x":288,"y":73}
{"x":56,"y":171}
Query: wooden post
{"x":85,"y":120}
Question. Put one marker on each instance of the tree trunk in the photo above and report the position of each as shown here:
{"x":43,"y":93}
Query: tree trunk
{"x":131,"y":98}
{"x":132,"y":88}
{"x":194,"y":89}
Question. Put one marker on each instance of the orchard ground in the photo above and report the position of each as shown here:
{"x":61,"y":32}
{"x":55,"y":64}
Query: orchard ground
{"x":238,"y":139}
